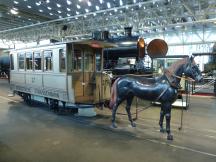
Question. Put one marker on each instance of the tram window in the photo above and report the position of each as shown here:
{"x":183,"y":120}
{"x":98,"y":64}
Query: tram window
{"x":98,"y":62}
{"x":21,"y":61}
{"x":29,"y":61}
{"x":88,"y":62}
{"x":11,"y":62}
{"x":62,"y":59}
{"x":77,"y":60}
{"x":48,"y":62}
{"x":37,"y":61}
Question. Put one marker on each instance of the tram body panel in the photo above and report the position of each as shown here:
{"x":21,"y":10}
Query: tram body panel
{"x":68,"y":72}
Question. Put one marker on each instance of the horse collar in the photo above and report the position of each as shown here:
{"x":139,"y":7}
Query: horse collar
{"x":171,"y":79}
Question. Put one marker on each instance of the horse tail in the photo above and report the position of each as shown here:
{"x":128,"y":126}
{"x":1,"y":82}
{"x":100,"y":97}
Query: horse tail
{"x":113,"y":94}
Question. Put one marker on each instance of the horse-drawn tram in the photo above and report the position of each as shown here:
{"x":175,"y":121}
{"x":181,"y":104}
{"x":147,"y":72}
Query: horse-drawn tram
{"x":71,"y":75}
{"x":63,"y":74}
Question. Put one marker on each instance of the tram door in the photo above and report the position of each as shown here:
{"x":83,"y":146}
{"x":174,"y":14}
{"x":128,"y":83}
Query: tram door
{"x":83,"y":74}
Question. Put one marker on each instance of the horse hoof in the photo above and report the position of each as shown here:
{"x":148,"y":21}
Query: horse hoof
{"x":162,"y":130}
{"x":170,"y":137}
{"x":133,"y":124}
{"x":114,"y":125}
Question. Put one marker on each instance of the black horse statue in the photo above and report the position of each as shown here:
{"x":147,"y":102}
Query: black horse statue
{"x":162,"y":89}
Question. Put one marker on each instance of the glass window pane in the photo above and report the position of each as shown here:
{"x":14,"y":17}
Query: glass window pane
{"x":11,"y":62}
{"x":48,"y":61}
{"x":98,"y":62}
{"x":77,"y":60}
{"x":62,"y":59}
{"x":88,"y":62}
{"x":21,"y":60}
{"x":37,"y":61}
{"x":29,"y":61}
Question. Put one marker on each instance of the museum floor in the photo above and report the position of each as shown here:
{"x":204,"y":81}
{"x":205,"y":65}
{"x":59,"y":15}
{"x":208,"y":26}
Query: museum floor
{"x":34,"y":133}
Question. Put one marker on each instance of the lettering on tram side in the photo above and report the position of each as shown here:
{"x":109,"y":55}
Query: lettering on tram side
{"x":42,"y":92}
{"x":46,"y":93}
{"x":23,"y":89}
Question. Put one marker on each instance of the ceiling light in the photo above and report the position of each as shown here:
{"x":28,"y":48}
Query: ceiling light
{"x":68,"y":15}
{"x":16,"y":2}
{"x":47,"y":1}
{"x":77,"y":12}
{"x":94,"y":14}
{"x":97,"y":8}
{"x":85,"y":16}
{"x":49,"y":8}
{"x":38,"y":3}
{"x":78,"y":6}
{"x":58,"y":5}
{"x":69,"y":2}
{"x":134,"y":1}
{"x":29,"y":6}
{"x":101,"y":1}
{"x":14,"y":11}
{"x":80,"y":0}
{"x":51,"y":13}
{"x":115,"y":10}
{"x":76,"y":18}
{"x":40,"y":10}
{"x":86,"y":10}
{"x":60,"y":17}
{"x":89,"y":3}
{"x":68,"y":9}
{"x":120,"y":2}
{"x":108,"y":5}
{"x":59,"y":12}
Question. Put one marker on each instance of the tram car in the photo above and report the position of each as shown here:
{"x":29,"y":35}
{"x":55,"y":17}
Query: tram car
{"x":70,"y":74}
{"x":61,"y":74}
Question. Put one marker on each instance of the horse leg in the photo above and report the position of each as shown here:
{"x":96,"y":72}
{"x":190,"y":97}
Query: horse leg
{"x":168,"y":118}
{"x":114,"y":109}
{"x":128,"y":106}
{"x":162,"y":114}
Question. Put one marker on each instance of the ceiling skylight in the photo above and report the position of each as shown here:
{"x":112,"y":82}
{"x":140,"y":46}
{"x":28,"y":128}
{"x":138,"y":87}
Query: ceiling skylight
{"x":120,"y":2}
{"x":78,"y":6}
{"x":58,"y":5}
{"x":108,"y":5}
{"x":14,"y":11}
{"x":97,"y":8}
{"x":38,"y":3}
{"x":69,"y":2}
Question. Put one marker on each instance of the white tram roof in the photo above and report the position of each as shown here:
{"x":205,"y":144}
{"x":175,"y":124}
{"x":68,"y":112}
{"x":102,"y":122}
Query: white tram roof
{"x":91,"y":43}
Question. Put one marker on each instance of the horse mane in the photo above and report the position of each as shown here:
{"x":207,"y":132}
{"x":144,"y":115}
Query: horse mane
{"x":173,"y":68}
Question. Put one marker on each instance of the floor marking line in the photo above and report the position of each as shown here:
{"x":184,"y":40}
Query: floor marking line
{"x":5,"y":98}
{"x":182,"y":148}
